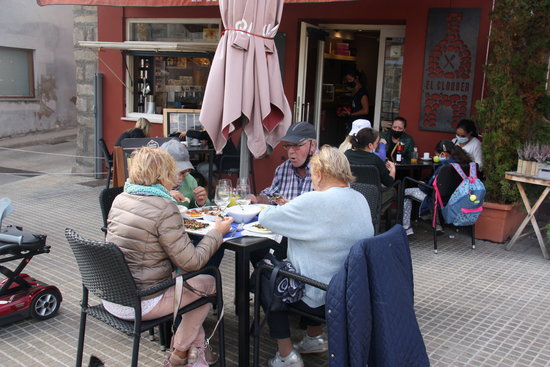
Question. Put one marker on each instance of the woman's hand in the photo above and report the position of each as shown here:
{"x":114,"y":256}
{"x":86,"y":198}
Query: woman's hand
{"x":178,"y":196}
{"x":199,"y":193}
{"x":383,"y":141}
{"x":223,"y":225}
{"x":391,"y":167}
{"x":182,"y":134}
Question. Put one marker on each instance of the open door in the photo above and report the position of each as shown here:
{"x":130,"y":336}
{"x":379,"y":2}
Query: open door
{"x":310,"y":75}
{"x":390,"y":71}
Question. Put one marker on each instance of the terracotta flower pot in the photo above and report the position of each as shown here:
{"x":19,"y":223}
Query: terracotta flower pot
{"x":498,"y":222}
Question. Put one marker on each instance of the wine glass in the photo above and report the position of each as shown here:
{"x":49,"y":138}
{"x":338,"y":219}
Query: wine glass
{"x":221,"y":197}
{"x":225,"y":182}
{"x":243,"y":194}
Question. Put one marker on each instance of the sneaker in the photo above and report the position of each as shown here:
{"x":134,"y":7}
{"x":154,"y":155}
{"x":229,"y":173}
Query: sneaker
{"x":292,"y":360}
{"x":439,"y":229}
{"x":409,"y":231}
{"x":312,"y":344}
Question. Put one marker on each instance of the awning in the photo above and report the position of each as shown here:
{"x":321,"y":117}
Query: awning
{"x":153,"y":46}
{"x":158,"y":3}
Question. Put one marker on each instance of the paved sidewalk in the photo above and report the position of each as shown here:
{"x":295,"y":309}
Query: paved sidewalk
{"x":482,"y":307}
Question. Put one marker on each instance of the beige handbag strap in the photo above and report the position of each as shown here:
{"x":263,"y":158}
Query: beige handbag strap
{"x":178,"y":291}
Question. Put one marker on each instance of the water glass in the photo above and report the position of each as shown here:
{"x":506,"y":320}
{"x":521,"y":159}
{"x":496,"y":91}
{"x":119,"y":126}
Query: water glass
{"x":243,"y":194}
{"x":221,"y":198}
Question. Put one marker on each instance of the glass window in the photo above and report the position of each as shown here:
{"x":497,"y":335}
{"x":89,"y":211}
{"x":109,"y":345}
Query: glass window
{"x":175,"y":30}
{"x":168,"y":82}
{"x":393,"y":70}
{"x":16,"y":73}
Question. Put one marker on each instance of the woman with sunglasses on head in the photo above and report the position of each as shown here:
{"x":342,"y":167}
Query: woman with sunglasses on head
{"x":467,"y":139}
{"x":145,"y":223}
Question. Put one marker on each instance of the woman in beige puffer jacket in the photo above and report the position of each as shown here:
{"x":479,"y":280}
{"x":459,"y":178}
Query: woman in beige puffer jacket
{"x":146,"y":224}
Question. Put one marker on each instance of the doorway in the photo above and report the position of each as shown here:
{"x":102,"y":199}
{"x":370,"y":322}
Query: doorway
{"x":327,"y":53}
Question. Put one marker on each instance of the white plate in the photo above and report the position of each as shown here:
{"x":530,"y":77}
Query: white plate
{"x":250,"y":227}
{"x":189,"y":212}
{"x":202,"y":231}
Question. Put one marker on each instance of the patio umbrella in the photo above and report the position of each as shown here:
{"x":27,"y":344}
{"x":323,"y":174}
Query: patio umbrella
{"x":244,"y":84}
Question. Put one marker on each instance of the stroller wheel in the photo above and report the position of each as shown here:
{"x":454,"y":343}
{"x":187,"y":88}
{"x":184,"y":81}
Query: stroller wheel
{"x":46,"y":304}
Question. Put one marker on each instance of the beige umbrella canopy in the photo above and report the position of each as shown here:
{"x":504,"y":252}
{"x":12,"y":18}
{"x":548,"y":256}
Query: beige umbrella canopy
{"x":245,"y":82}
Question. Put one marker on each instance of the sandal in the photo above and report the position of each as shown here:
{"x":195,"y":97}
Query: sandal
{"x":172,"y":360}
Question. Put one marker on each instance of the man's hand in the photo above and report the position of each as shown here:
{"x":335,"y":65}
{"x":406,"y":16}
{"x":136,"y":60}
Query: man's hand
{"x":260,"y":199}
{"x":223,"y":225}
{"x":178,"y":196}
{"x":200,"y":195}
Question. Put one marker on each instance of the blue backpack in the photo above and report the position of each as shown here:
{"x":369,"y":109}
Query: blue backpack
{"x":466,"y":203}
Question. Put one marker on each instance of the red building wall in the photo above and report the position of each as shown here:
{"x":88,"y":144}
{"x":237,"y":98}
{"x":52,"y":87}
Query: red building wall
{"x":412,"y":14}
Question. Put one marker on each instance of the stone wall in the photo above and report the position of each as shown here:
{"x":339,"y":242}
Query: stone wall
{"x":85,"y":29}
{"x":47,"y":31}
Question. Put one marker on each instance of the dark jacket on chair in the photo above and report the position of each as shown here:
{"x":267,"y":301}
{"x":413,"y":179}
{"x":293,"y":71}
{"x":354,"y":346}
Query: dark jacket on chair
{"x":370,"y":307}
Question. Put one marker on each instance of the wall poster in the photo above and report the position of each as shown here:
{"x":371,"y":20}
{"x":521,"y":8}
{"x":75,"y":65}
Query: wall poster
{"x":449,"y":62}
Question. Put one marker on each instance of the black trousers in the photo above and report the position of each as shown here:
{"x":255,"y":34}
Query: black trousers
{"x":279,"y":327}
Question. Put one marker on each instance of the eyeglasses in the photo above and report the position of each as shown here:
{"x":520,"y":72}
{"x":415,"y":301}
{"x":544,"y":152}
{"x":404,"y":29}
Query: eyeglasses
{"x":293,"y":146}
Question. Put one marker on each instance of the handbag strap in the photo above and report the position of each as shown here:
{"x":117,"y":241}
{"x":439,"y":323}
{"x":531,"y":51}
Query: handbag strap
{"x":178,"y":292}
{"x":277,"y":265}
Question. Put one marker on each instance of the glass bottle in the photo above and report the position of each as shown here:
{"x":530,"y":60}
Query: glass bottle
{"x":399,"y":153}
{"x":414,"y":157}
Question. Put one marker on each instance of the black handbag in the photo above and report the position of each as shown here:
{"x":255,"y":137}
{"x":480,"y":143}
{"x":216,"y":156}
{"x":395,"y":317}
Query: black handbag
{"x":276,"y":290}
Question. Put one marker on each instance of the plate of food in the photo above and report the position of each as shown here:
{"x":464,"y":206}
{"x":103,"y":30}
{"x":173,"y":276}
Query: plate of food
{"x":212,"y":214}
{"x":256,"y":227}
{"x":198,"y":213}
{"x":197,"y":226}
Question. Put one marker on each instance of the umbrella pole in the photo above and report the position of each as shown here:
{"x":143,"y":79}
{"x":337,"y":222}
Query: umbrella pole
{"x":244,"y":161}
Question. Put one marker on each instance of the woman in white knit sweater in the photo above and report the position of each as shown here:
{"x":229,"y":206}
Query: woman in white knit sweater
{"x":321,"y":227}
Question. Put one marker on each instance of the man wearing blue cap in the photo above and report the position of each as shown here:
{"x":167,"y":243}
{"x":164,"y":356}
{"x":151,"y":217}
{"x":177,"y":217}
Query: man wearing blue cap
{"x":292,"y":177}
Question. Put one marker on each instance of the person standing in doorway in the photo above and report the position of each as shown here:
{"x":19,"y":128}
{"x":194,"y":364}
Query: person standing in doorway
{"x":355,"y":82}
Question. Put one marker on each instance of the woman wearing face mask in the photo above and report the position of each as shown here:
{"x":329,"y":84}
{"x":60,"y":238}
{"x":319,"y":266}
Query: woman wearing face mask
{"x":355,"y":82}
{"x":448,"y":152}
{"x":364,"y":146}
{"x":467,"y":139}
{"x":397,"y":135}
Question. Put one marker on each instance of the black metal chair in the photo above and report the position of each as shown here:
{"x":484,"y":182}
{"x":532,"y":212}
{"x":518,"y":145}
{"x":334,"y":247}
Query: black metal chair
{"x":108,"y":160}
{"x":256,"y":326}
{"x":369,"y":174}
{"x":105,"y":273}
{"x":447,"y":182}
{"x":372,"y":194}
{"x":106,"y":197}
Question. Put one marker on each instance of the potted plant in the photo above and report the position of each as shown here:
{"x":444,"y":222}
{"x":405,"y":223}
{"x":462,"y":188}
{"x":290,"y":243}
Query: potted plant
{"x":513,"y":112}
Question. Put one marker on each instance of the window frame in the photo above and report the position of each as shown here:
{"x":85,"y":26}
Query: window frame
{"x":129,"y":57}
{"x":30,"y":74}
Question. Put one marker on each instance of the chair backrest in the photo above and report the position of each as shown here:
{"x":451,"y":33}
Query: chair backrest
{"x":108,"y":156}
{"x":131,"y":144}
{"x":103,"y":270}
{"x":373,"y":196}
{"x":368,"y":174}
{"x":448,"y":180}
{"x":106,"y":198}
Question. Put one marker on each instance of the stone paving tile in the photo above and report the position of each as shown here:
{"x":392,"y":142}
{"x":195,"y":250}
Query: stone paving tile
{"x":475,"y":307}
